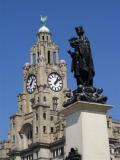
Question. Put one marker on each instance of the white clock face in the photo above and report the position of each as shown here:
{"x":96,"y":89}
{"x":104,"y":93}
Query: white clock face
{"x":31,"y":83}
{"x":55,"y":82}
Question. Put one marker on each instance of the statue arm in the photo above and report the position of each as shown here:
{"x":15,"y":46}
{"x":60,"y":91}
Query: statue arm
{"x":72,"y":56}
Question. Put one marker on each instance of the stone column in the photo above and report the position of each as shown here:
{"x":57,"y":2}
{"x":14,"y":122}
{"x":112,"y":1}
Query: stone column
{"x":86,"y":129}
{"x":36,"y":51}
{"x":57,"y":56}
{"x":31,"y":58}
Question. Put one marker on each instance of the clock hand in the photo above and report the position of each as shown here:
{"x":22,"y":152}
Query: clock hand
{"x":33,"y":85}
{"x":31,"y":82}
{"x":57,"y":80}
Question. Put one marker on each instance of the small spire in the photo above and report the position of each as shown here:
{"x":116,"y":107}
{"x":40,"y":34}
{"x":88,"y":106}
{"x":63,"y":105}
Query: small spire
{"x":43,"y":20}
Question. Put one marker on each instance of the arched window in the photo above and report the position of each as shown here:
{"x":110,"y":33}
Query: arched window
{"x":48,"y":57}
{"x":27,"y":129}
{"x":43,"y":38}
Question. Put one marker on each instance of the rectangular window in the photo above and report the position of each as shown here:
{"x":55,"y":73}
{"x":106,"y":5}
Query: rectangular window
{"x":51,"y":118}
{"x":38,"y":99}
{"x":55,"y":103}
{"x":108,"y":124}
{"x":37,"y":130}
{"x":43,"y":38}
{"x":52,"y":129}
{"x":44,"y":116}
{"x":44,"y":129}
{"x":44,"y":99}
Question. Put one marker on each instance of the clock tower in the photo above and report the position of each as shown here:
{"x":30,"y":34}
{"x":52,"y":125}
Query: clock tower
{"x":38,"y":125}
{"x":45,"y":75}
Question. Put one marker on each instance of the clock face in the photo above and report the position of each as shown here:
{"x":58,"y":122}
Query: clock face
{"x":55,"y":82}
{"x":31,"y":83}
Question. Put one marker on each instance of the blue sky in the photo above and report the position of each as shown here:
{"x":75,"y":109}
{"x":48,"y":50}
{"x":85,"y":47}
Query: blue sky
{"x":19,"y":23}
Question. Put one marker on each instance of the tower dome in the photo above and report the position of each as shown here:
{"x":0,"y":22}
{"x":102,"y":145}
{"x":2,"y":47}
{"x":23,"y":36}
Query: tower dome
{"x":43,"y":29}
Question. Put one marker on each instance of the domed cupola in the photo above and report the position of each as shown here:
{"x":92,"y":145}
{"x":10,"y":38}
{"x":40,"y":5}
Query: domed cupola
{"x":44,"y":29}
{"x":44,"y":34}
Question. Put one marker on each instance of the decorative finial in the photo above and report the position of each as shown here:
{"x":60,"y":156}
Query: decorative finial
{"x":43,"y":20}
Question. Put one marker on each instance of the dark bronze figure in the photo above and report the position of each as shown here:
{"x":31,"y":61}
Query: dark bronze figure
{"x":83,"y":68}
{"x":73,"y":155}
{"x":82,"y":63}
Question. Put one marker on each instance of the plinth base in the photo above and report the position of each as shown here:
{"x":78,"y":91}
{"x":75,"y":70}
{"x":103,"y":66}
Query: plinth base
{"x":86,"y":129}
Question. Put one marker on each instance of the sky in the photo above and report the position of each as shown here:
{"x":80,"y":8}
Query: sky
{"x":19,"y":23}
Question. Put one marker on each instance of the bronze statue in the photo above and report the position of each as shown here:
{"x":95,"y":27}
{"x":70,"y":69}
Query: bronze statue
{"x":82,"y":63}
{"x":83,"y":68}
{"x":73,"y":155}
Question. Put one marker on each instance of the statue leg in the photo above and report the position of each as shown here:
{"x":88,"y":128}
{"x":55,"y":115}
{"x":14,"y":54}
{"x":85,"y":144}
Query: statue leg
{"x":78,"y":81}
{"x":84,"y":77}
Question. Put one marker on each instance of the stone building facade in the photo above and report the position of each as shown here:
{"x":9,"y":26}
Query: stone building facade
{"x":37,"y":129}
{"x":114,"y":137}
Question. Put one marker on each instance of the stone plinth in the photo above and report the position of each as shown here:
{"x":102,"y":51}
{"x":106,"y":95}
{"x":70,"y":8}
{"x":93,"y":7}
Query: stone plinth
{"x":86,"y":129}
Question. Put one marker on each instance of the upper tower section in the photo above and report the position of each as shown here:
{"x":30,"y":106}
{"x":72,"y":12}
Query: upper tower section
{"x":44,"y":48}
{"x":45,"y":73}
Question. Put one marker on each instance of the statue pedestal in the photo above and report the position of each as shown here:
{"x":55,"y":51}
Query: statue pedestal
{"x":86,"y":129}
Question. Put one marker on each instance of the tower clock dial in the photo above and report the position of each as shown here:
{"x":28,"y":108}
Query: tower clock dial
{"x":55,"y":82}
{"x":31,"y":83}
